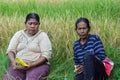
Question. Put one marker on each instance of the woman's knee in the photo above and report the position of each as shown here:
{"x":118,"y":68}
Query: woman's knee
{"x":79,"y":76}
{"x":14,"y":74}
{"x":88,"y":56}
{"x":39,"y":73}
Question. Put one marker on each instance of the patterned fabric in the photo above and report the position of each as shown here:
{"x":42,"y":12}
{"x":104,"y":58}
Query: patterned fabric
{"x":93,"y":46}
{"x":109,"y":64}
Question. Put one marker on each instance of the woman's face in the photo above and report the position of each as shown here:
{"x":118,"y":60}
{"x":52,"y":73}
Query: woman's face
{"x":82,"y":30}
{"x":32,"y":26}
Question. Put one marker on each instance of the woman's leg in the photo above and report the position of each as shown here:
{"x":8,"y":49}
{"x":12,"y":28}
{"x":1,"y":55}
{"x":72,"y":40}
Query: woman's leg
{"x":14,"y":74}
{"x":79,"y":77}
{"x":93,"y":68}
{"x":100,"y":73}
{"x":89,"y":69}
{"x":88,"y":73}
{"x":38,"y":73}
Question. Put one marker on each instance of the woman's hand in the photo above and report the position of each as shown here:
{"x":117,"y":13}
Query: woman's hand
{"x":38,"y":62}
{"x":16,"y":66}
{"x":30,"y":65}
{"x":79,"y":68}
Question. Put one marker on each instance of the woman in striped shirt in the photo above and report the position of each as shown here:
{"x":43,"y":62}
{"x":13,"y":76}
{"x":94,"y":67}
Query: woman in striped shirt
{"x":88,"y":53}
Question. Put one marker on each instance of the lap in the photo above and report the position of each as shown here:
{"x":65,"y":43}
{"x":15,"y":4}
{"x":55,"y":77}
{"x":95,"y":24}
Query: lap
{"x":14,"y":74}
{"x":41,"y":71}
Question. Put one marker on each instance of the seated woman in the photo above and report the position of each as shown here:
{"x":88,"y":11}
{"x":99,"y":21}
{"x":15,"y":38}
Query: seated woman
{"x":34,"y":48}
{"x":88,"y":53}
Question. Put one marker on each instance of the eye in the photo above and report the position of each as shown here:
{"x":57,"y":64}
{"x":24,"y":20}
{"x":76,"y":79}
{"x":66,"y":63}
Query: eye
{"x":79,"y":28}
{"x":30,"y":23}
{"x":36,"y":23}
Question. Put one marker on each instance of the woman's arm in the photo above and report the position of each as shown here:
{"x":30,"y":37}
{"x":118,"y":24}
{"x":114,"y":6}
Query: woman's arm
{"x":40,"y":61}
{"x":11,"y":50}
{"x":99,"y":49}
{"x":12,"y":47}
{"x":11,"y":56}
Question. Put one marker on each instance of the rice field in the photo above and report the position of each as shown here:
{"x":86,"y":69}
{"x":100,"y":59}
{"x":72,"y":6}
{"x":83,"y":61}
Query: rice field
{"x":58,"y":20}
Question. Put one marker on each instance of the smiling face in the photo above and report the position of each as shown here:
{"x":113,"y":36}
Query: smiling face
{"x":82,"y":30}
{"x":32,"y":26}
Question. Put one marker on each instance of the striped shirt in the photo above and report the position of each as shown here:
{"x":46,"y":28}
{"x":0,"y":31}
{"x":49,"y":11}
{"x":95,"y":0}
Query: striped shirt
{"x":93,"y":46}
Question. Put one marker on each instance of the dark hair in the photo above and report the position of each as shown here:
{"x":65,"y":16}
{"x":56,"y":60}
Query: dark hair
{"x":32,"y":15}
{"x":81,"y":19}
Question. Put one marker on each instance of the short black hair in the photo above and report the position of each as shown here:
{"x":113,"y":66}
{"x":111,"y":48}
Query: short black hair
{"x":32,"y":15}
{"x":82,"y":19}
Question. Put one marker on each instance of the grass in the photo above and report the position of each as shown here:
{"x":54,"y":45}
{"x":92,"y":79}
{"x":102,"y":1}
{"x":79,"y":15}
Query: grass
{"x":58,"y":20}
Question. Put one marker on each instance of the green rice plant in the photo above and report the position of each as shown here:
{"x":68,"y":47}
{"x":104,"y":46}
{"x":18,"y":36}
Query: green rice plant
{"x":94,"y":8}
{"x":4,"y":62}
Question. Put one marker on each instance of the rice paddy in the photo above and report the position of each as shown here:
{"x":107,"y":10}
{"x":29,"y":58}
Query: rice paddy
{"x":58,"y":20}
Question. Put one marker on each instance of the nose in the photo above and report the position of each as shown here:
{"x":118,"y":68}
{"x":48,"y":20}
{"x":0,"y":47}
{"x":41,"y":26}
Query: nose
{"x":33,"y":25}
{"x":82,"y":30}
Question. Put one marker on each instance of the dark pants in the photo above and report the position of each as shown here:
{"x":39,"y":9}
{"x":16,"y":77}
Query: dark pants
{"x":93,"y":69}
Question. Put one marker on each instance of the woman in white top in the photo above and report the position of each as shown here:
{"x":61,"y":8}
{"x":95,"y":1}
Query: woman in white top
{"x":34,"y":48}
